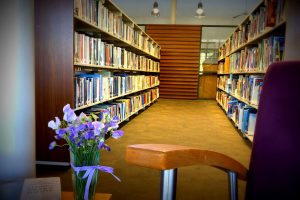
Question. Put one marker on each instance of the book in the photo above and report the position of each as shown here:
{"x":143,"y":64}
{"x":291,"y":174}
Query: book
{"x":41,"y":189}
{"x":231,"y":107}
{"x":256,"y":88}
{"x":227,"y":65}
{"x":78,"y":8}
{"x":245,"y":124}
{"x":271,"y":13}
{"x":251,"y":123}
{"x":280,"y":11}
{"x":240,"y":117}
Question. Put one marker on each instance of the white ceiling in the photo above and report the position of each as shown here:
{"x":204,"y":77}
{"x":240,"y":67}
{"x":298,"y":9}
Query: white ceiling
{"x":218,"y":12}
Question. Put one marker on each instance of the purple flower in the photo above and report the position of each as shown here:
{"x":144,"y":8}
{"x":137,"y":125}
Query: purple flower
{"x":72,"y":130}
{"x":89,"y":125}
{"x":89,"y":135}
{"x":81,"y":127}
{"x":69,"y":114}
{"x":81,"y":139}
{"x":72,"y":139}
{"x":60,"y":133}
{"x":102,"y":145}
{"x":116,"y":118}
{"x":52,"y":145}
{"x":54,"y":125}
{"x":117,"y":134}
{"x":84,"y":131}
{"x":73,"y":133}
{"x":81,"y":116}
{"x":98,"y":126}
{"x":114,"y":124}
{"x":78,"y":144}
{"x":106,"y":128}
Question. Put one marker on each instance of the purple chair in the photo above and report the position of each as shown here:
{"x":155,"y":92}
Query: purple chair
{"x":274,"y":171}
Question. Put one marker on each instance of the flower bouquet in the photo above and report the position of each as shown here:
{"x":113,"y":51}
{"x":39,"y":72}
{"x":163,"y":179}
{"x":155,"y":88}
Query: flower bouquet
{"x":85,"y":136}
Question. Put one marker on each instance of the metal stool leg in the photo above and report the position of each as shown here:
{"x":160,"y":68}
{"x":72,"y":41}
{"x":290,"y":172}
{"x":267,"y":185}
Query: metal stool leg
{"x":233,"y":185}
{"x":168,"y":184}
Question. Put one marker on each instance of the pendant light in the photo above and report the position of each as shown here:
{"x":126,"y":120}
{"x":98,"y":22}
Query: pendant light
{"x":200,"y":10}
{"x":155,"y":10}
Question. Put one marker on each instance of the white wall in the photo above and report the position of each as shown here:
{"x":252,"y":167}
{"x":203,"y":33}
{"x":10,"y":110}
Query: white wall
{"x":17,"y":107}
{"x":221,"y":33}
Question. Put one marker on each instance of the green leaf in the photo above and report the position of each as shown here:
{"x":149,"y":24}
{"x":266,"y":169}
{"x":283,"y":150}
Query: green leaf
{"x":95,"y":117}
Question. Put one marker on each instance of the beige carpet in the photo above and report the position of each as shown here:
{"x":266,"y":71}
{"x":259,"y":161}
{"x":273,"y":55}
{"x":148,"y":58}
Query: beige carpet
{"x":195,"y":123}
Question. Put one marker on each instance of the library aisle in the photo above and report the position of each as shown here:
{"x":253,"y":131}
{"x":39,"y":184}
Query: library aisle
{"x":200,"y":124}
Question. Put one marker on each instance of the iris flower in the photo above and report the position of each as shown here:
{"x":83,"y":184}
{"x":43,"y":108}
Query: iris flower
{"x":84,"y":132}
{"x":52,"y":145}
{"x":102,"y":145}
{"x":98,"y":126}
{"x":54,"y":125}
{"x":117,"y":134}
{"x":69,"y":114}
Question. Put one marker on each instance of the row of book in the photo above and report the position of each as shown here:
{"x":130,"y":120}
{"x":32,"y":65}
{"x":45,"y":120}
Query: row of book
{"x":224,"y":66}
{"x":268,"y":51}
{"x":97,"y":87}
{"x":91,"y":50}
{"x":224,"y":49}
{"x":255,"y":58}
{"x":245,"y":87}
{"x":241,"y":114}
{"x":224,"y":83}
{"x":266,"y":16}
{"x":125,"y":107}
{"x":270,"y":14}
{"x":113,"y":21}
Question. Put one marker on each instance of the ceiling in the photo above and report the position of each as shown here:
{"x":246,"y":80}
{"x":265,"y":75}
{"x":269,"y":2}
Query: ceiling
{"x":218,"y":12}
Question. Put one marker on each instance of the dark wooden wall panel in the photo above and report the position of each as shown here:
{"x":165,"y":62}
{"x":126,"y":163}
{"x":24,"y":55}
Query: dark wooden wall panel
{"x":53,"y":71}
{"x":179,"y":63}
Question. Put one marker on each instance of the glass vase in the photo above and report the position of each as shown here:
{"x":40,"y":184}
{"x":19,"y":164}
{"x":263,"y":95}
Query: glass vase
{"x":83,"y":159}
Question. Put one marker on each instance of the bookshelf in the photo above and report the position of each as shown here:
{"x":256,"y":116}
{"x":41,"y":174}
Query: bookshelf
{"x":92,"y":59}
{"x":243,"y":60}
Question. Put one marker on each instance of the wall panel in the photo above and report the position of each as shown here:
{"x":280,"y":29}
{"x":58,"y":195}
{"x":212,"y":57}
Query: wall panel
{"x":53,"y":72}
{"x":179,"y":63}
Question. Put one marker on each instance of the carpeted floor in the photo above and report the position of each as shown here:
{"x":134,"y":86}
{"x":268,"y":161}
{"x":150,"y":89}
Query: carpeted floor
{"x":195,"y":123}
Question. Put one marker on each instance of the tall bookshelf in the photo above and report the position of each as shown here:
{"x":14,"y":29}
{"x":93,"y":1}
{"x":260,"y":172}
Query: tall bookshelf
{"x":243,"y":60}
{"x":91,"y":55}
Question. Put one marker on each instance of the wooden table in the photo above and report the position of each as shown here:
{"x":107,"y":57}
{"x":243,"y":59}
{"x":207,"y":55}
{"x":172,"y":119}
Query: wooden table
{"x":99,"y":196}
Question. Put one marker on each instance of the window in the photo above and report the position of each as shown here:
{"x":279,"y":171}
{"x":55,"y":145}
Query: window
{"x":212,"y":38}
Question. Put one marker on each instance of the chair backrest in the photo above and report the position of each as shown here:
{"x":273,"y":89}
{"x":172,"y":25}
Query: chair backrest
{"x":274,"y":171}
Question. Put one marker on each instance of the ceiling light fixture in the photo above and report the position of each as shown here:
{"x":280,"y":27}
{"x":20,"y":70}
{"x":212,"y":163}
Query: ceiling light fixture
{"x":155,"y":10}
{"x":200,"y":10}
